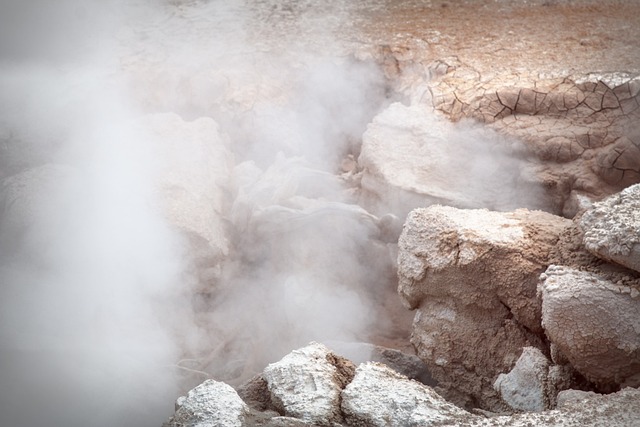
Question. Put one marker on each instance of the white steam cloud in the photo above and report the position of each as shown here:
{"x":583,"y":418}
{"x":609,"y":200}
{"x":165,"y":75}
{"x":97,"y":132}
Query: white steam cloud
{"x":172,"y":204}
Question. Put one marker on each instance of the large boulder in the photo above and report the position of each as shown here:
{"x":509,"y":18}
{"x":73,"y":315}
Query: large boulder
{"x":612,"y":228}
{"x":592,"y":319}
{"x":472,"y":276}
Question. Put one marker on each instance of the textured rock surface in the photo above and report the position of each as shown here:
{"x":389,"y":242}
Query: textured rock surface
{"x":405,"y":364}
{"x":375,"y":395}
{"x":212,"y":403}
{"x":366,"y":401}
{"x":524,"y":388}
{"x":412,"y":158}
{"x":593,"y":321}
{"x":306,"y":384}
{"x":472,"y":275}
{"x":612,"y":228}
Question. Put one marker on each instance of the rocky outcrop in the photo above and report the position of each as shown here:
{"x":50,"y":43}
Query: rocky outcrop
{"x":612,"y":228}
{"x":593,"y":321}
{"x":375,"y":395}
{"x":472,"y":276}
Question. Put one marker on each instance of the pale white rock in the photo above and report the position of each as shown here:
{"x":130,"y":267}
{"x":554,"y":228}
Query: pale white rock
{"x":212,"y":403}
{"x":379,"y":396}
{"x":593,"y":321}
{"x":524,"y":388}
{"x":571,"y":396}
{"x":612,"y":228}
{"x":305,"y":384}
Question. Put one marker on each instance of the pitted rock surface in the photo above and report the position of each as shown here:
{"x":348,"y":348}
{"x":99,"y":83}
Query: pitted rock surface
{"x":472,"y":276}
{"x":378,"y":396}
{"x":306,"y":384}
{"x":212,"y":403}
{"x":367,"y":402}
{"x":612,"y":228}
{"x":593,"y":321}
{"x":525,"y":387}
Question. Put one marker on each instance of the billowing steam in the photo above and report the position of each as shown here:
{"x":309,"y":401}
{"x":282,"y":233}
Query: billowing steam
{"x":173,"y":204}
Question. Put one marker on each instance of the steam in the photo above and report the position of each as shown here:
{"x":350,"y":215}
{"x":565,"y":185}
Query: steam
{"x":172,"y":202}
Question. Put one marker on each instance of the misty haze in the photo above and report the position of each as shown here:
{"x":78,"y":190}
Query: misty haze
{"x":192,"y":189}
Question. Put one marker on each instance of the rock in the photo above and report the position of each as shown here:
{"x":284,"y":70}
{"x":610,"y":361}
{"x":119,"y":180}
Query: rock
{"x":194,"y":166}
{"x":612,"y":228}
{"x":405,"y":364}
{"x":212,"y":403}
{"x":593,"y":321}
{"x":379,"y":396}
{"x":566,"y":397}
{"x":412,"y":158}
{"x":472,"y":276}
{"x":306,"y":384}
{"x":375,"y":395}
{"x":255,"y":393}
{"x":525,"y":387}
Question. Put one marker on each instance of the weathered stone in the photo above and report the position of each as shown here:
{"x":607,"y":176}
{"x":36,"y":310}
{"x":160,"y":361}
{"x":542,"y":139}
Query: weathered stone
{"x":593,"y":321}
{"x":524,"y":388}
{"x":375,"y":395}
{"x":472,"y":275}
{"x":574,"y":396}
{"x":367,"y":401}
{"x":612,"y":228}
{"x":212,"y":403}
{"x":306,"y":384}
{"x":405,"y":364}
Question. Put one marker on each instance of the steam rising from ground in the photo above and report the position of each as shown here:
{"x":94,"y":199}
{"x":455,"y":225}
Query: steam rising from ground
{"x":109,"y":305}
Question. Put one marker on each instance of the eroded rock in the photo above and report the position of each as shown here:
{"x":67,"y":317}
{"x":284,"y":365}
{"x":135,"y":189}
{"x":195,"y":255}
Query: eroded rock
{"x":593,"y":321}
{"x":612,"y":228}
{"x":379,"y":396}
{"x":525,"y":387}
{"x":472,"y":276}
{"x":212,"y":403}
{"x":375,"y":395}
{"x":306,"y":384}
